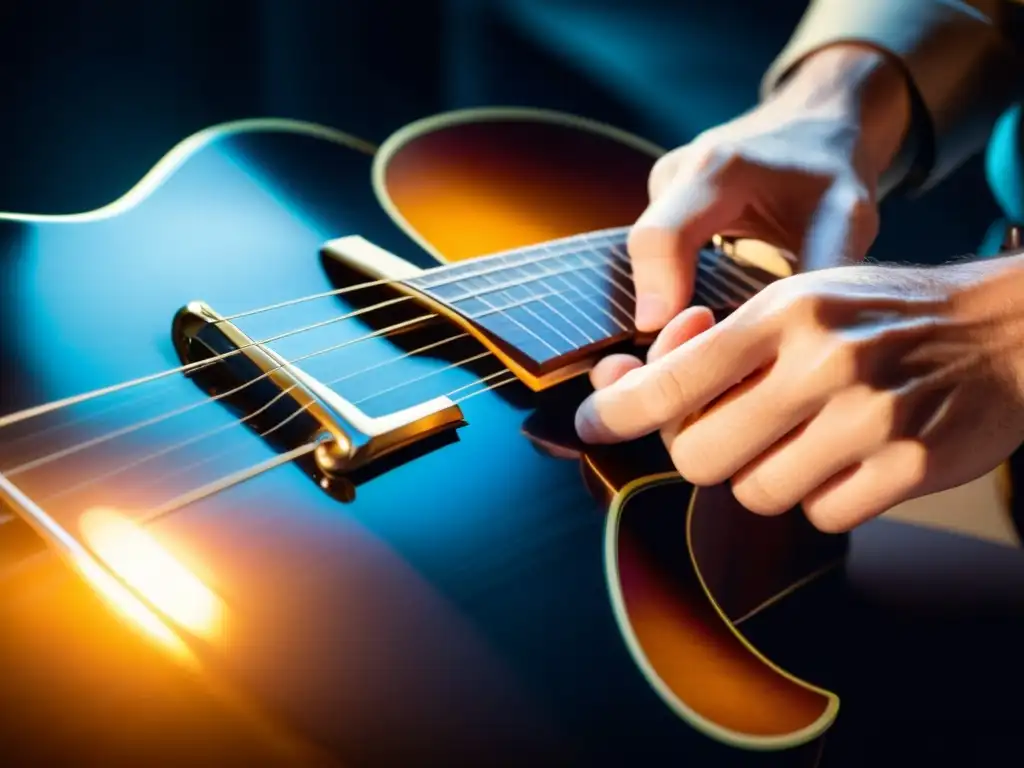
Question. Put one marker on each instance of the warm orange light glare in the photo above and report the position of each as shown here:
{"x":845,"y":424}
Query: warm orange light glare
{"x":135,"y":556}
{"x":130,"y":607}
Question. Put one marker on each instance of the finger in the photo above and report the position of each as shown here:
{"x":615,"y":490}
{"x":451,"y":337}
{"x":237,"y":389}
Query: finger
{"x":704,"y":197}
{"x":848,"y":430}
{"x":676,"y":385}
{"x":611,"y":369}
{"x":738,"y":428}
{"x":894,"y":474}
{"x":842,"y":229}
{"x":683,"y":327}
{"x":691,"y":322}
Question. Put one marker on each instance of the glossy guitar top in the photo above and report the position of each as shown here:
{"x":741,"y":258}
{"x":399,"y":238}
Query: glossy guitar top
{"x":475,"y":600}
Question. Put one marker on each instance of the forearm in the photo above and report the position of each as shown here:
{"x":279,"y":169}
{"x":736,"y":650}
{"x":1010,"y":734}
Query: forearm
{"x":957,"y":56}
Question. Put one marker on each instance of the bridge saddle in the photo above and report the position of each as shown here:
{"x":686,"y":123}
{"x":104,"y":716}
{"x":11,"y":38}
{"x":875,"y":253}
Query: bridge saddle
{"x":349,"y":438}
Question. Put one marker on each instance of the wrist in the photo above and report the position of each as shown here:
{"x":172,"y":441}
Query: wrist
{"x":863,"y":88}
{"x":988,"y":297}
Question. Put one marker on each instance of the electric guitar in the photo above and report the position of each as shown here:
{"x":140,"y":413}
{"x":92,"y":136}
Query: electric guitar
{"x":288,"y":470}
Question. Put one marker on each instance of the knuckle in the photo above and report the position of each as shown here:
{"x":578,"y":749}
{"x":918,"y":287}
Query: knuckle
{"x":827,"y":516}
{"x":788,"y":301}
{"x":865,"y":217}
{"x":695,"y":465}
{"x":696,"y":461}
{"x":759,"y":496}
{"x":715,"y":159}
{"x":662,"y":173}
{"x":662,"y":399}
{"x":887,"y":418}
{"x":803,"y":304}
{"x":840,"y":361}
{"x":914,"y":467}
{"x":646,"y":245}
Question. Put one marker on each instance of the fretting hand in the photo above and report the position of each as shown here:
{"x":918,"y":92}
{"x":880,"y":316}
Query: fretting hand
{"x":801,"y":172}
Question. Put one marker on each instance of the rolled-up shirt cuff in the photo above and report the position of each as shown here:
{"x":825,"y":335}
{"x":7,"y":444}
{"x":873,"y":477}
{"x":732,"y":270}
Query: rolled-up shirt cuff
{"x":962,"y":69}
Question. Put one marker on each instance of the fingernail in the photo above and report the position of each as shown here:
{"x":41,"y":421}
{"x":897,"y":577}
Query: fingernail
{"x":650,"y":312}
{"x":586,"y":422}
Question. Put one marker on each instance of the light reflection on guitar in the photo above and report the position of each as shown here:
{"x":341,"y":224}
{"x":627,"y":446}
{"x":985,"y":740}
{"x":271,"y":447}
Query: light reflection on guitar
{"x":353,"y":508}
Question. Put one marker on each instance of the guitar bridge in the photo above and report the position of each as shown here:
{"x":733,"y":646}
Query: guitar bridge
{"x":348,"y":438}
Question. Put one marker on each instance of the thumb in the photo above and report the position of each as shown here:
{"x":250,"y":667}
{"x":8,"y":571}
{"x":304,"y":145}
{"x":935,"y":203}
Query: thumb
{"x":701,"y":200}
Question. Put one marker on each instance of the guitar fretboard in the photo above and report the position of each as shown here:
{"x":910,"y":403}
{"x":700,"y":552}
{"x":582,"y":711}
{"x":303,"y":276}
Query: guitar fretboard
{"x":566,"y":298}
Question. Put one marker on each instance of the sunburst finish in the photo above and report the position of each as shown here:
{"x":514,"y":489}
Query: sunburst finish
{"x":481,"y":602}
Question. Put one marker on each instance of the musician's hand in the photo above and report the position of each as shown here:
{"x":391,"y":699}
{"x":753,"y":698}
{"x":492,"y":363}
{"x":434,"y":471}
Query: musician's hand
{"x":800,"y":171}
{"x":848,"y":390}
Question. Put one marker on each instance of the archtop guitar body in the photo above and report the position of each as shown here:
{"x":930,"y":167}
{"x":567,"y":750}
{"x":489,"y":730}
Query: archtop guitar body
{"x":288,"y":473}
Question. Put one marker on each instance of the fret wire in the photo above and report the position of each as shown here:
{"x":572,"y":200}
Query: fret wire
{"x":498,"y":310}
{"x":604,"y":261}
{"x":530,"y":331}
{"x":624,"y":256}
{"x":723,"y":265}
{"x":626,"y":289}
{"x":620,"y":270}
{"x":463,"y":272}
{"x":714,"y":274}
{"x":594,"y":304}
{"x":712,"y":288}
{"x":610,"y":298}
{"x":624,"y":311}
{"x":755,"y":284}
{"x":558,"y":294}
{"x":739,"y":293}
{"x":565,"y":317}
{"x":549,"y":249}
{"x":592,"y":321}
{"x":728,"y":266}
{"x":570,"y":342}
{"x":499,"y":287}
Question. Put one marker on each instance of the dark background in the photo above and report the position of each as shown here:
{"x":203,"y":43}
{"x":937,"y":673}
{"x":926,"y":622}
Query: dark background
{"x":95,"y":92}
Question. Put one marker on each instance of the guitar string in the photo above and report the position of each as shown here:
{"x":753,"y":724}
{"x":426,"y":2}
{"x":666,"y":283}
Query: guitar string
{"x":39,"y":410}
{"x":406,"y":383}
{"x":235,"y":478}
{"x":445,"y":268}
{"x":209,"y":433}
{"x":35,"y":463}
{"x":36,"y":411}
{"x":198,"y":365}
{"x":282,"y":423}
{"x":189,"y":441}
{"x":266,"y":406}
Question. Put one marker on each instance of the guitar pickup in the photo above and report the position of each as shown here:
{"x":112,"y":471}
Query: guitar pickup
{"x":309,"y":410}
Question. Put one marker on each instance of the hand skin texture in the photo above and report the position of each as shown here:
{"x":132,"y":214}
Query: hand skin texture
{"x":800,"y":172}
{"x":847,"y":389}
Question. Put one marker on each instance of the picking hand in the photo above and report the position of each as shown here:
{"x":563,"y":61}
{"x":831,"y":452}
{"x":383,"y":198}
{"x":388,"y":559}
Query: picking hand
{"x":848,"y":390}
